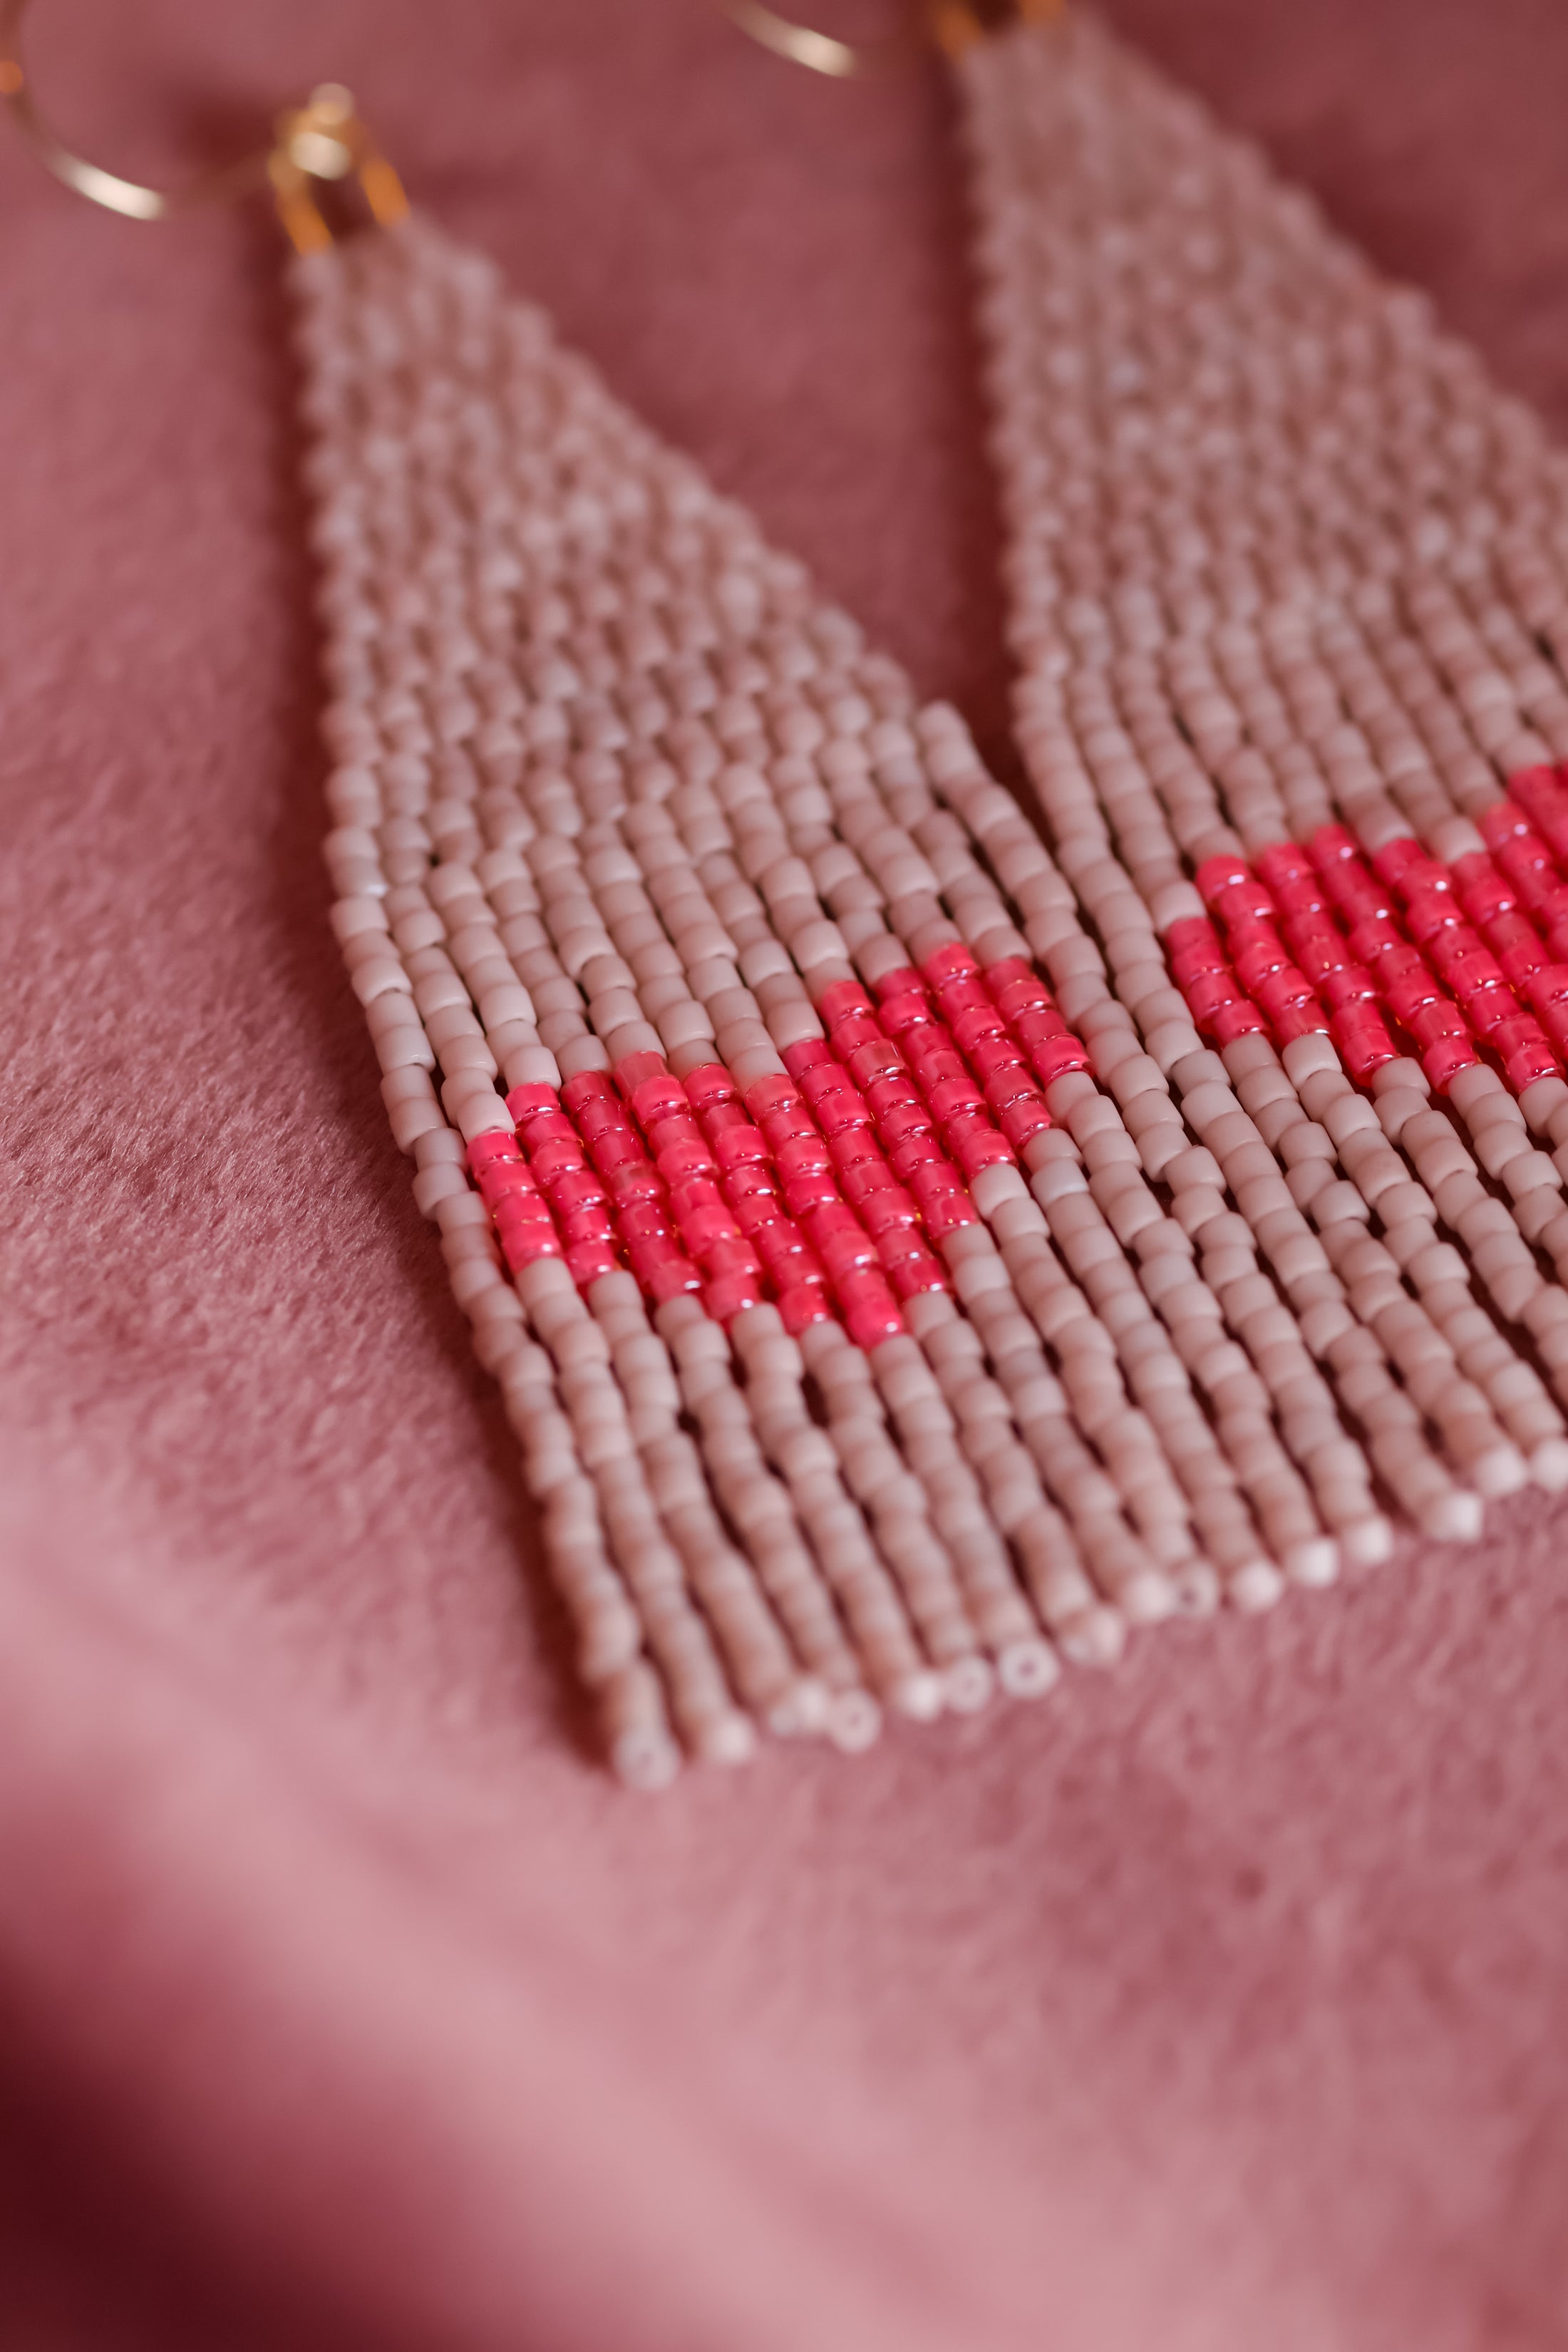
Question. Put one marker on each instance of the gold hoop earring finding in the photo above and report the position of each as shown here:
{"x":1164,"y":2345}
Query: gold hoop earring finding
{"x":948,"y":24}
{"x":101,"y":187}
{"x":822,"y":53}
{"x":321,"y":141}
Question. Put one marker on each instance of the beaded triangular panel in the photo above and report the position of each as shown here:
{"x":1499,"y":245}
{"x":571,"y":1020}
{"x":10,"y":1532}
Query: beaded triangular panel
{"x":875,"y":1330}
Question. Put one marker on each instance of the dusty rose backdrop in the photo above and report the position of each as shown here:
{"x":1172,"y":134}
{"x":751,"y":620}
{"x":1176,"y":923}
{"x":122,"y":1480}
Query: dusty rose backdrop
{"x":1215,"y":2006}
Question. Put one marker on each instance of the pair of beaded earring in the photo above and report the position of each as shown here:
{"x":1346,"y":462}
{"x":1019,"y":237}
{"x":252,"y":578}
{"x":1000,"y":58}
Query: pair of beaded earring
{"x":916,"y":1244}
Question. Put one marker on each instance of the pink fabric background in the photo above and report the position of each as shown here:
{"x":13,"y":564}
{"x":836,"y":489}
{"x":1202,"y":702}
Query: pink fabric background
{"x":1220,"y":2004}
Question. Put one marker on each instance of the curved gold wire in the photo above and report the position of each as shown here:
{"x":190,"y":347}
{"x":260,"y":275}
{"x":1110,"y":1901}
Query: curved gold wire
{"x":821,"y":53}
{"x":89,"y":180}
{"x":948,"y":24}
{"x":318,"y":143}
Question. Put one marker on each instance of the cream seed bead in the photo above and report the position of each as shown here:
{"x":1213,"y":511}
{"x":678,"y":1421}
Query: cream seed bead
{"x":637,"y":1731}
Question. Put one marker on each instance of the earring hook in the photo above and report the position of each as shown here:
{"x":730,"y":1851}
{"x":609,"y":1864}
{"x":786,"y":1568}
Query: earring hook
{"x":322,"y":141}
{"x":822,"y":53}
{"x":101,"y":187}
{"x":948,"y":24}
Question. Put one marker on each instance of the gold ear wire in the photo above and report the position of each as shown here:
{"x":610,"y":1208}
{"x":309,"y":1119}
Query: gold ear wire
{"x":321,"y":141}
{"x":822,"y":53}
{"x":948,"y":24}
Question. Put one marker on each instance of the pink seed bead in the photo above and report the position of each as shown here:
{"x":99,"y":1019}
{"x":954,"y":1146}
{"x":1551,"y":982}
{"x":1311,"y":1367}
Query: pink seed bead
{"x":654,"y":1099}
{"x":542,"y":1126}
{"x":986,"y":1148}
{"x":1042,"y":1027}
{"x":677,"y":1162}
{"x":862,"y":1178}
{"x":770,"y":1095}
{"x":804,"y":1193}
{"x":802,"y":1155}
{"x":947,"y":1213}
{"x":1237,"y":1019}
{"x":992,"y":1055}
{"x":729,"y":1295}
{"x":703,"y":1225}
{"x":638,"y":1070}
{"x":585,"y":1225}
{"x":842,"y":1111}
{"x":587,"y":1261}
{"x":732,"y":1253}
{"x":890,"y":1209}
{"x":1442,"y":1061}
{"x":669,"y":1278}
{"x":901,"y":1013}
{"x":1023,"y":1120}
{"x":587,"y":1087}
{"x":800,"y":1305}
{"x":525,"y":1244}
{"x":852,"y":1147}
{"x":755,"y":1209}
{"x":741,"y":1147}
{"x":852,"y":1031}
{"x":524,"y":1206}
{"x":524,"y":1101}
{"x":1057,"y":1055}
{"x":627,"y":1171}
{"x":645,"y":1220}
{"x":504,"y":1181}
{"x":497,"y":1145}
{"x":806,"y":1054}
{"x":576,"y":1188}
{"x":911,"y":1277}
{"x":558,"y":1157}
{"x":879,"y":1058}
{"x":842,"y":997}
{"x":721,"y":1118}
{"x":871,"y":1315}
{"x":710,"y":1086}
{"x":948,"y":963}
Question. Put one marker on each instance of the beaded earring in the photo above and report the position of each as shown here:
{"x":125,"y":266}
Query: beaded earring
{"x":1288,"y":599}
{"x":1287,"y":593}
{"x":891,"y":1292}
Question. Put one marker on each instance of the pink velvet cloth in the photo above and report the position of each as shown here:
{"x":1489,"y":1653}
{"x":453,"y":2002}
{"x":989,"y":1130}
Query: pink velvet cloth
{"x":1216,"y":2004}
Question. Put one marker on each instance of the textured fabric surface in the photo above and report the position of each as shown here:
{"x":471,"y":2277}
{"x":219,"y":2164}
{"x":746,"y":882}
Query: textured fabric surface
{"x":342,"y":2000}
